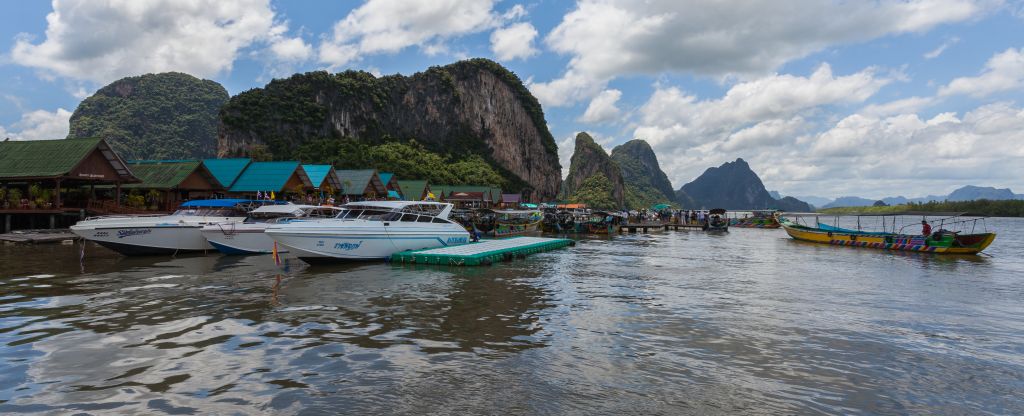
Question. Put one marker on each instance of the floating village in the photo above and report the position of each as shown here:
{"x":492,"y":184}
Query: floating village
{"x":317,"y":213}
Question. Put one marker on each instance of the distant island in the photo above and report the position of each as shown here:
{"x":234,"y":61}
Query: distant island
{"x":980,"y":207}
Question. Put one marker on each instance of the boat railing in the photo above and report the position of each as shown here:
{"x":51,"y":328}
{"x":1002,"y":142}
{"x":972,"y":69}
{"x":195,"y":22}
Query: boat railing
{"x":104,"y":217}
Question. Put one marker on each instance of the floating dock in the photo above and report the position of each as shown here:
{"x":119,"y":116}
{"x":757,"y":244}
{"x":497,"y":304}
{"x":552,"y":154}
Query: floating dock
{"x":483,"y":253}
{"x":38,"y":236}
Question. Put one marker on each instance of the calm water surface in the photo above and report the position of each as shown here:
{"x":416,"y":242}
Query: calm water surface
{"x":678,"y":322}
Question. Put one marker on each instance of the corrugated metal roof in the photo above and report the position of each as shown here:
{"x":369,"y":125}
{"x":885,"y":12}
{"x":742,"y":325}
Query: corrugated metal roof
{"x":412,"y":190}
{"x":320,"y":175}
{"x":265,"y":176}
{"x":161,"y":174}
{"x":385,"y":177}
{"x":226,"y":171}
{"x":354,"y":182}
{"x":50,"y":158}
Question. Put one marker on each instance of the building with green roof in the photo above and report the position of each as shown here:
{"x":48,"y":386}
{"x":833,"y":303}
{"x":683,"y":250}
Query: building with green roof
{"x":175,"y":180}
{"x":54,"y":167}
{"x":277,"y":177}
{"x":226,"y":171}
{"x":361,"y":184}
{"x":322,"y":177}
{"x":413,"y":190}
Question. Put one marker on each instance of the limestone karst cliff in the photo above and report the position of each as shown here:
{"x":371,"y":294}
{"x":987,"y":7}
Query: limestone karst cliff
{"x":154,"y":116}
{"x":468,"y":108}
{"x":589,"y":159}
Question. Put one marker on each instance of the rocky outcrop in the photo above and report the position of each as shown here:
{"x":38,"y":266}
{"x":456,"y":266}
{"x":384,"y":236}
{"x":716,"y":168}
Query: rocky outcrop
{"x":473,"y":107}
{"x":154,"y":116}
{"x":646,"y":184}
{"x":589,"y":159}
{"x":734,"y":186}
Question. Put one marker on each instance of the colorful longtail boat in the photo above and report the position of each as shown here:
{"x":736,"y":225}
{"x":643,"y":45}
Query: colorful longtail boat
{"x":758,"y":219}
{"x":939,"y":242}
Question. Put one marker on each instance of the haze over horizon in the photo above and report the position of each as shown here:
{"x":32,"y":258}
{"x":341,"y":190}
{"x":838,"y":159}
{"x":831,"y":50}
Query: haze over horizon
{"x":873,"y":99}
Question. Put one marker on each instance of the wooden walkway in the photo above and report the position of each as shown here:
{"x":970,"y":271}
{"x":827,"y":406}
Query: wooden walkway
{"x":483,"y":253}
{"x":38,"y":236}
{"x":655,"y":227}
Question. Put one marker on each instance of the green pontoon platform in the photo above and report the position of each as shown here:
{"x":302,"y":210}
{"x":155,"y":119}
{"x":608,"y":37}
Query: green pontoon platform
{"x":483,"y":253}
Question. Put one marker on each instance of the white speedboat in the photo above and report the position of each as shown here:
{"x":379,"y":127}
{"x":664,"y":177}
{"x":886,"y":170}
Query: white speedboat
{"x":247,"y":237}
{"x":164,"y":234}
{"x":371,"y":230}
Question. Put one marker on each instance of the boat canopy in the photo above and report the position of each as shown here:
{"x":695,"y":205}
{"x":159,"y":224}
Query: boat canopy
{"x":717,"y":211}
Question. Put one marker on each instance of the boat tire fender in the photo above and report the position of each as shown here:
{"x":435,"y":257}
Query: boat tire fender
{"x":830,"y":234}
{"x":853,"y":238}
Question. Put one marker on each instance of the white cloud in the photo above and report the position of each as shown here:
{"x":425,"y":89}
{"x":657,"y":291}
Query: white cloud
{"x":610,"y":38}
{"x":672,"y":119}
{"x":514,"y":42}
{"x":602,"y":108}
{"x":388,"y":26}
{"x":904,"y":105}
{"x":1003,"y":72}
{"x":40,"y":125}
{"x":101,"y":41}
{"x":291,"y":49}
{"x":934,"y":53}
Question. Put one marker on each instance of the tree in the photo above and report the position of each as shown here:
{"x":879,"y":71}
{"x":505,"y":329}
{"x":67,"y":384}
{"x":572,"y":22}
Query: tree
{"x":596,"y":192}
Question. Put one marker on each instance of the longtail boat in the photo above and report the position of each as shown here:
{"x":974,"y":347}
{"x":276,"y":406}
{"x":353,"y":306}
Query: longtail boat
{"x":515,"y":222}
{"x":942,"y":241}
{"x":716,"y":220}
{"x":758,"y":219}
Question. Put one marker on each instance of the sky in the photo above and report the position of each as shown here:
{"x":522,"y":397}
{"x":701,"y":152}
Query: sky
{"x":825,"y":98}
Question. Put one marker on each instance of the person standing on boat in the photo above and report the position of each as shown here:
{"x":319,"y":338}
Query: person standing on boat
{"x":926,"y":229}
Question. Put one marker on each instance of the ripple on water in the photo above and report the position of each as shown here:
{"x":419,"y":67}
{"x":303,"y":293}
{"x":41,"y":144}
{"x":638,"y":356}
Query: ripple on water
{"x":677,"y":322}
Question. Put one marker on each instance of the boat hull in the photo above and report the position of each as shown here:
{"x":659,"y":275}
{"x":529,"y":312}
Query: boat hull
{"x":147,"y":240}
{"x":965,"y":244}
{"x":239,"y":239}
{"x":507,"y":230}
{"x":362,"y":243}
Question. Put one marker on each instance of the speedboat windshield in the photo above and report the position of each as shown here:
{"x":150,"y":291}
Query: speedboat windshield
{"x":210,"y":212}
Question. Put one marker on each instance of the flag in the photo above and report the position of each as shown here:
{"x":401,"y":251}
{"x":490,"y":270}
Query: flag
{"x":277,"y":256}
{"x":272,"y":196}
{"x":259,"y":195}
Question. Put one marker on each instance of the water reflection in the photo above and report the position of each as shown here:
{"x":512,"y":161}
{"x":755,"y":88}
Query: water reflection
{"x":677,"y":322}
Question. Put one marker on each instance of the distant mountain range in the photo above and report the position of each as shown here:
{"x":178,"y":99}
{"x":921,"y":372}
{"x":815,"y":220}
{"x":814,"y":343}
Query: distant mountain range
{"x":966,"y":193}
{"x":733,"y":186}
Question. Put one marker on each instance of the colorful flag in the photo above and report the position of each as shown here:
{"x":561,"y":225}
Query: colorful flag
{"x":272,"y":196}
{"x":277,"y":256}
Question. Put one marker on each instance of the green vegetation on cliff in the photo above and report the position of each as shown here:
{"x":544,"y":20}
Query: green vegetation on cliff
{"x":406,"y":160}
{"x":645,"y":183}
{"x":596,"y":192}
{"x":985,"y":207}
{"x":154,"y":116}
{"x":470,"y":111}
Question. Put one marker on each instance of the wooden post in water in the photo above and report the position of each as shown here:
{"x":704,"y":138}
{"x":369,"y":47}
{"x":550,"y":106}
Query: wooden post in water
{"x":53,"y":221}
{"x":7,"y":223}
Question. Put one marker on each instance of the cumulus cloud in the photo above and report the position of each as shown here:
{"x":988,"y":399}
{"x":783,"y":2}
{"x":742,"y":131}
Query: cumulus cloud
{"x":104,"y":40}
{"x":1003,"y":72}
{"x":291,"y":49}
{"x":671,"y":118}
{"x":388,"y":26}
{"x":610,"y":38}
{"x":40,"y":125}
{"x":514,"y":42}
{"x":602,"y":108}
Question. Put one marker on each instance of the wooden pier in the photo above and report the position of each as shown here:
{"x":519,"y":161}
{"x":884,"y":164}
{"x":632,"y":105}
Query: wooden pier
{"x":38,"y":236}
{"x":483,"y":253}
{"x":655,"y":227}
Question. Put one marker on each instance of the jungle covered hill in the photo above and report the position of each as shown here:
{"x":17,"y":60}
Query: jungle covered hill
{"x":981,"y":207}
